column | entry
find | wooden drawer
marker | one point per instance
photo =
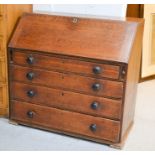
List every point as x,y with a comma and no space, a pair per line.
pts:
96,106
97,70
87,85
61,120
2,70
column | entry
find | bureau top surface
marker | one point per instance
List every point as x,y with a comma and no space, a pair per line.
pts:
104,39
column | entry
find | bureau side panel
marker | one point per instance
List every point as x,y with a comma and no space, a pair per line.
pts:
131,82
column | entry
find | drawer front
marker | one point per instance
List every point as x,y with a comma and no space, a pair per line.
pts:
97,106
66,121
87,85
63,64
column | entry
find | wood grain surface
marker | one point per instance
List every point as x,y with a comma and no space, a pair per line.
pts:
91,38
67,100
84,67
68,81
63,120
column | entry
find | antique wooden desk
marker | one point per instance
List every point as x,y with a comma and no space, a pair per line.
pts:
76,76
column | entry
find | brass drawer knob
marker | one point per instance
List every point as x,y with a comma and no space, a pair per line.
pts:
30,60
97,70
30,75
30,114
30,93
96,86
95,105
93,127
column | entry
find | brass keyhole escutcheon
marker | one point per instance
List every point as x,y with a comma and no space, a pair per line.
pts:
75,20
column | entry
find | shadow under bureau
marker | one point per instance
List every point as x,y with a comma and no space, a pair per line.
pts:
75,75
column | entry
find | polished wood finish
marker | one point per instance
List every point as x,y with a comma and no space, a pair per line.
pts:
76,39
112,89
67,100
9,15
65,64
63,120
77,78
132,78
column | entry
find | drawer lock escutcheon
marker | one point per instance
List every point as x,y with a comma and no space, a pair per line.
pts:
75,20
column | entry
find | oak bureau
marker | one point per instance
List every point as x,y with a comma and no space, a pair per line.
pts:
75,75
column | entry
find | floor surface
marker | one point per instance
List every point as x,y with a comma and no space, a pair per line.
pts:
141,137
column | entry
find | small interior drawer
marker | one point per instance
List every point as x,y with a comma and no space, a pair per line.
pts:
62,120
